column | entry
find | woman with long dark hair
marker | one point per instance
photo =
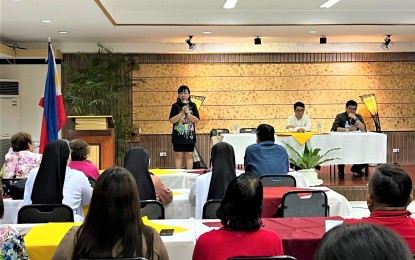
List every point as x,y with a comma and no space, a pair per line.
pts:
184,116
241,234
113,226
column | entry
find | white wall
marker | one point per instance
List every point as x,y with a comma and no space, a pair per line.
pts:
31,84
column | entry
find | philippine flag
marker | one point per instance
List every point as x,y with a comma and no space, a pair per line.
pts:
54,116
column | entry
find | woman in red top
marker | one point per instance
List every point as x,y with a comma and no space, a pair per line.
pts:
241,234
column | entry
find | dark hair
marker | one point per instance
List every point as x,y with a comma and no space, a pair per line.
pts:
181,89
351,103
299,104
20,141
363,242
265,132
79,150
241,207
113,216
390,185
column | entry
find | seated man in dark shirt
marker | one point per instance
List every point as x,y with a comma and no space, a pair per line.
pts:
390,192
356,123
266,157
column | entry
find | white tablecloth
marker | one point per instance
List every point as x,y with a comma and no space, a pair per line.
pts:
355,147
180,245
180,207
184,180
177,178
11,208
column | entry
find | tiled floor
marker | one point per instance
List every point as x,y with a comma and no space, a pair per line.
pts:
359,209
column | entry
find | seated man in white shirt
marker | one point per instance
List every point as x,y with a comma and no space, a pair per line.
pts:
299,122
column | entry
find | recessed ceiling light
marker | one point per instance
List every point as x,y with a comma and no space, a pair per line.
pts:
229,4
206,32
329,3
15,0
62,32
312,31
46,21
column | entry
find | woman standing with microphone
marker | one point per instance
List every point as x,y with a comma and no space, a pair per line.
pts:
184,116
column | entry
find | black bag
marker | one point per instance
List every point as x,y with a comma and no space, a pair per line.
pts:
16,189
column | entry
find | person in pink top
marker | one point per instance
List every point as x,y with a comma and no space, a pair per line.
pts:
79,161
20,159
389,194
241,234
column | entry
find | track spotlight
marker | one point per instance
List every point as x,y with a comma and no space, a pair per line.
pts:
323,40
257,40
192,46
385,44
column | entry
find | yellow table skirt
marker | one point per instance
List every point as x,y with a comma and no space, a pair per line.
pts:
41,241
301,138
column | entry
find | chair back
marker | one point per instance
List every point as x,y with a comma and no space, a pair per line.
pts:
278,180
248,130
44,213
210,208
281,257
153,209
218,131
301,204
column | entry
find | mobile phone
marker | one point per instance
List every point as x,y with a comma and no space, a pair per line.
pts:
167,232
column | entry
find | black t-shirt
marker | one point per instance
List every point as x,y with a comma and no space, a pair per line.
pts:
184,130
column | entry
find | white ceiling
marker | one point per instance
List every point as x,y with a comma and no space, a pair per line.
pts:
171,21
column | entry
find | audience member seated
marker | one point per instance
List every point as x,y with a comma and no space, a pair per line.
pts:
12,245
136,161
113,227
55,183
163,194
241,234
266,157
390,189
212,185
79,159
20,159
299,122
363,242
356,123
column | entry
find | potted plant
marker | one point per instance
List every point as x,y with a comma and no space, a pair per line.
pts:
309,160
100,84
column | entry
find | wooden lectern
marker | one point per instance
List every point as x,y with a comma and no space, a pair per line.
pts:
100,138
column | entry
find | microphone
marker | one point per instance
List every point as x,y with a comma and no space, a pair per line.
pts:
185,103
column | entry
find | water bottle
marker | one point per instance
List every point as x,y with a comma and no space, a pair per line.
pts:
346,126
318,128
235,128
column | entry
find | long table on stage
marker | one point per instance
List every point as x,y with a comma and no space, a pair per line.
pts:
355,147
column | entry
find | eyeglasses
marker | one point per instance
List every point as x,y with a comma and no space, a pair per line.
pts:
352,108
300,110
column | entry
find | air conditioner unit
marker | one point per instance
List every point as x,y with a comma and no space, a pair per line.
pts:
9,88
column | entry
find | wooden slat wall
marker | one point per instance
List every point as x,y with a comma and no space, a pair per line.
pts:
155,144
250,89
405,142
162,143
